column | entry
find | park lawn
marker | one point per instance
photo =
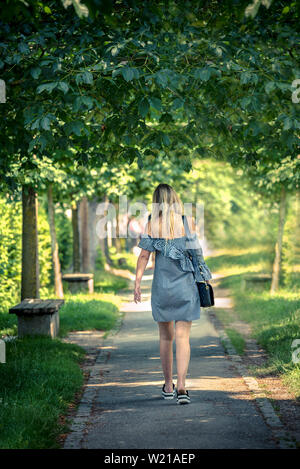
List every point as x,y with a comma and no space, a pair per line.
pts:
37,383
87,312
274,319
41,376
130,259
107,282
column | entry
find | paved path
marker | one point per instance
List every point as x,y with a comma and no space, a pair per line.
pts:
127,409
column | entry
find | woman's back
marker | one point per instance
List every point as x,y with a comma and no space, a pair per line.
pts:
164,228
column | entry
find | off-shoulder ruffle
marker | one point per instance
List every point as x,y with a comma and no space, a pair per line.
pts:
146,242
170,249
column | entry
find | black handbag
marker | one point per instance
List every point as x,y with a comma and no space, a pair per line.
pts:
206,294
205,290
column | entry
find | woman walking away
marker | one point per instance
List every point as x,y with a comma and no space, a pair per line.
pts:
174,294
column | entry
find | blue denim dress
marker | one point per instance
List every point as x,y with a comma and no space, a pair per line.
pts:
174,293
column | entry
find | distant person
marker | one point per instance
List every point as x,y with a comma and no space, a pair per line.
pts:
174,294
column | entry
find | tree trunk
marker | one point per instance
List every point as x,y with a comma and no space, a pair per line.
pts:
84,238
30,259
278,248
76,246
58,286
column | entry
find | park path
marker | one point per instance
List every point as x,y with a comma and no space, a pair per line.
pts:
122,405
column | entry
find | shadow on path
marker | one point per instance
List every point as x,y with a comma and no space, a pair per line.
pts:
128,411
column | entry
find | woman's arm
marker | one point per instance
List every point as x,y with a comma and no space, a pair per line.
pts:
140,269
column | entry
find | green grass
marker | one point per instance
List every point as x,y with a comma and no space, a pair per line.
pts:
37,382
237,340
106,282
274,319
87,312
130,259
8,323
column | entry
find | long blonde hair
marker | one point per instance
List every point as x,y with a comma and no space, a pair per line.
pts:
166,206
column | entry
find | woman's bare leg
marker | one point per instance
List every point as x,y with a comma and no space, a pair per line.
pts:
183,351
166,337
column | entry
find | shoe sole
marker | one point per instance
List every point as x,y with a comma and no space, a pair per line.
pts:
168,396
183,400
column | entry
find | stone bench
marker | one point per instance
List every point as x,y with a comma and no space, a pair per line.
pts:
80,282
37,317
255,278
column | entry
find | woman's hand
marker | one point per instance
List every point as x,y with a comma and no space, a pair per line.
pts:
137,293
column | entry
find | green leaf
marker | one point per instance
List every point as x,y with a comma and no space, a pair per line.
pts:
270,86
203,73
177,103
140,161
62,85
87,101
45,123
35,124
35,72
143,107
116,72
73,128
46,87
166,140
87,78
245,78
156,103
245,102
128,73
84,77
288,123
23,48
161,79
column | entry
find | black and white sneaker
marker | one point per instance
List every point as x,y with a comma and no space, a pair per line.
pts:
183,398
168,395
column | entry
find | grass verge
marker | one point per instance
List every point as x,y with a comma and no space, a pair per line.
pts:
41,376
37,382
87,312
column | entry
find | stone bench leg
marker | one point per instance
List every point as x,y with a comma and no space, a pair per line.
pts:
91,285
46,324
86,286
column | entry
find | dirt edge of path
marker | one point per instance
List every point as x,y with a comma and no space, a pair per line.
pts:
284,402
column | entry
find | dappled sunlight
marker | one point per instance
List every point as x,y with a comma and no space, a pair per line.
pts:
232,386
147,277
223,302
125,384
132,306
109,347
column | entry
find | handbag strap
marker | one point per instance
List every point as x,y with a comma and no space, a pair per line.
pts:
193,254
186,226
